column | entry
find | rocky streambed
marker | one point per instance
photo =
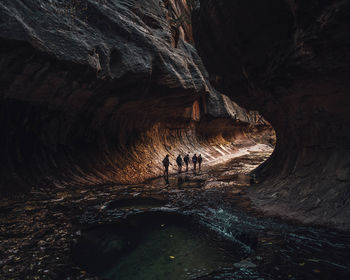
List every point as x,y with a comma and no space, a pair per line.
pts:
199,226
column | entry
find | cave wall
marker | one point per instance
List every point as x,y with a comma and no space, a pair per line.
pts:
290,61
95,92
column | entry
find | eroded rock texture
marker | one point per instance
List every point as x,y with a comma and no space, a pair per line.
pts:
290,60
97,91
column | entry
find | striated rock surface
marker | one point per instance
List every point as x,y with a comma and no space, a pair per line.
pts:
97,91
289,60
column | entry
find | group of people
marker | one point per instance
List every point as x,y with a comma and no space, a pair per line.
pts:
179,161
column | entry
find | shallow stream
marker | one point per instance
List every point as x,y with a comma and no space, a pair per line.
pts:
200,226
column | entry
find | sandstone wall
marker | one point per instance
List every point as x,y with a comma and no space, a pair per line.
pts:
98,91
290,61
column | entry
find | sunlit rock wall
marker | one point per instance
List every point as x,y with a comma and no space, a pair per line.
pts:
98,91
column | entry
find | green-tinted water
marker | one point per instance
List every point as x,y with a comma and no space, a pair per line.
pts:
156,246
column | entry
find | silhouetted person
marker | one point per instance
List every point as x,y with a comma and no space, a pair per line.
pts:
166,163
194,160
187,160
199,159
179,163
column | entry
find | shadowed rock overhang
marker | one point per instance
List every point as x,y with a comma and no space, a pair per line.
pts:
289,60
96,92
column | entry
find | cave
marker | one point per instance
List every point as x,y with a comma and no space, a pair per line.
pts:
96,93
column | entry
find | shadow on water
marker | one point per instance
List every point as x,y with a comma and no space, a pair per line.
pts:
154,245
184,181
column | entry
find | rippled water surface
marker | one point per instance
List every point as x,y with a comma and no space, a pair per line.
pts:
200,226
156,245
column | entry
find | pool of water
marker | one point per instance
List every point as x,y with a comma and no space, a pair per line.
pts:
207,237
154,245
205,229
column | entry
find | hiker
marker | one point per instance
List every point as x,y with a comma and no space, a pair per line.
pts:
199,159
194,160
179,163
166,163
187,160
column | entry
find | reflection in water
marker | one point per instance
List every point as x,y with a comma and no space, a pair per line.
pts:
212,234
168,245
155,246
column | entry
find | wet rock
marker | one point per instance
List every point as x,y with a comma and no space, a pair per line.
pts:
289,60
245,264
280,249
39,243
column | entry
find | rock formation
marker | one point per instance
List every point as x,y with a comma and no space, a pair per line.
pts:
290,61
97,91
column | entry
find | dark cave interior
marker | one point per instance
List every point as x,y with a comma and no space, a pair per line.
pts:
95,93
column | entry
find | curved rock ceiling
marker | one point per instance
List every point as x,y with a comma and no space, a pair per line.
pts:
96,92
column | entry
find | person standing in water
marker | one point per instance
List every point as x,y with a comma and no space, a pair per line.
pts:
179,163
166,164
187,160
199,159
194,161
